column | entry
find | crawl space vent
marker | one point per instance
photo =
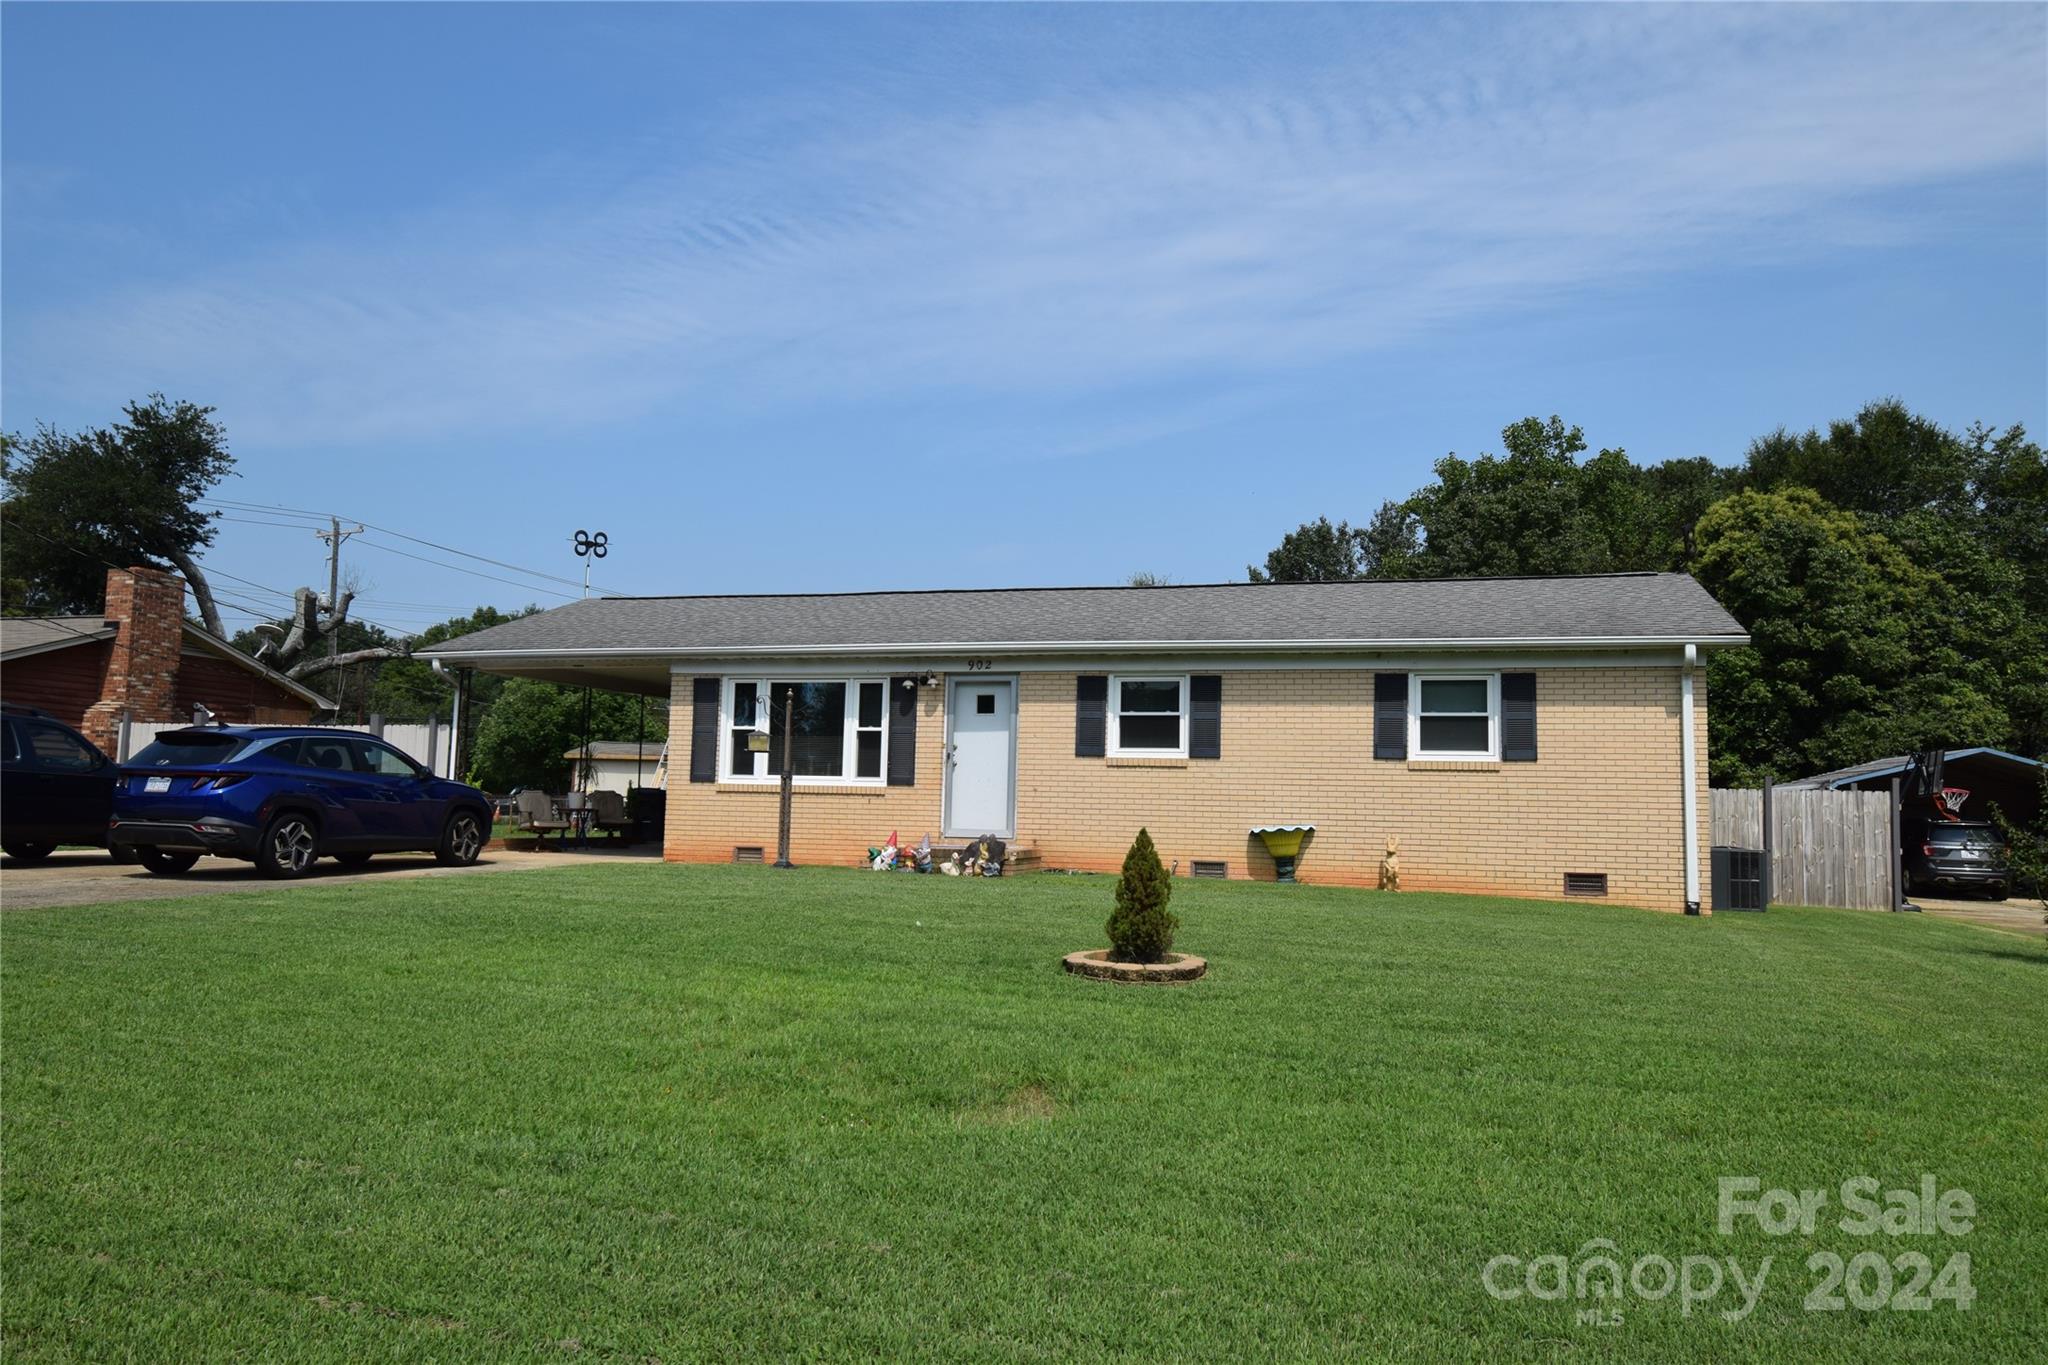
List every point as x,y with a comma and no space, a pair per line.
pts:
1217,870
1585,883
748,855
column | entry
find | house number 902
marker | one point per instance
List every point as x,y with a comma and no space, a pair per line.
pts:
980,665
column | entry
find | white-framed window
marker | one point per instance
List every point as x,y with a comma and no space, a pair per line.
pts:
841,729
1454,715
1148,717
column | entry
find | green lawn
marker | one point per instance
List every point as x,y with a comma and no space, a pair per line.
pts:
638,1112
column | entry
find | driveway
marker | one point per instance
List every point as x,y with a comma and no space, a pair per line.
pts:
89,878
2018,915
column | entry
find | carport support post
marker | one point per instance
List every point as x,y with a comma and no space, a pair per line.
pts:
788,777
458,757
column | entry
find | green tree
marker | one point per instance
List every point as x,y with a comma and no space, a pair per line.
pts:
2010,481
409,689
1390,545
1314,552
1141,928
1852,653
1517,513
1885,462
521,736
2027,845
122,495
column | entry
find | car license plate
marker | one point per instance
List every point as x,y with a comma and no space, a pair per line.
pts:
156,784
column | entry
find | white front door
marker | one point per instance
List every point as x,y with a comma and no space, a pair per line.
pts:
979,774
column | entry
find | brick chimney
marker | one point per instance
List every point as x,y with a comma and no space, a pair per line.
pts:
147,607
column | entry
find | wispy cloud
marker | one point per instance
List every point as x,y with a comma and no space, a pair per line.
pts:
1086,237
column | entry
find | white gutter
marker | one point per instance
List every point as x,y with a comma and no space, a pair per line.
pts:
978,647
1687,770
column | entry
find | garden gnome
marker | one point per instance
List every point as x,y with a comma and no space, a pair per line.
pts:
1390,867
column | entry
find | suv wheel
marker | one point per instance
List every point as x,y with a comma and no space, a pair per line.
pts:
462,840
289,846
164,863
28,853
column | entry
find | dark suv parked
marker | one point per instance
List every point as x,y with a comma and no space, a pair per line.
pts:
283,797
55,787
1957,856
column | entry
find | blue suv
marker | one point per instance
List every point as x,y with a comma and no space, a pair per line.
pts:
281,797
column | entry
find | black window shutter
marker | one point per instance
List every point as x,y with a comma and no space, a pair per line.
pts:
903,732
1205,715
1518,717
703,729
1390,715
1091,705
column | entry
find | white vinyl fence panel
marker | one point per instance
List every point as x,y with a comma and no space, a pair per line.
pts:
1827,847
427,742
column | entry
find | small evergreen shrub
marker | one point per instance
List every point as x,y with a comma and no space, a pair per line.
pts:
1140,928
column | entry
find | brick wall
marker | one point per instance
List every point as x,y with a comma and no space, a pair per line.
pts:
235,695
142,667
829,826
63,682
1604,795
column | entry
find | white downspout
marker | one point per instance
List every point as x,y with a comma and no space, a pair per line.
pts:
1687,768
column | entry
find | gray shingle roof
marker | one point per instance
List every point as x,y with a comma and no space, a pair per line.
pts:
1610,608
24,635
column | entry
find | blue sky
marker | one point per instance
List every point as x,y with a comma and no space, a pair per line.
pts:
870,297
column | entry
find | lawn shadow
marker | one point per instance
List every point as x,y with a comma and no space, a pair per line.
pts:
2038,956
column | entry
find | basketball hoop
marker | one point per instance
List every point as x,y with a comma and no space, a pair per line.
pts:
1949,802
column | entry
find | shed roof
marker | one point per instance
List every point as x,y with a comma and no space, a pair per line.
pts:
21,636
24,636
1897,764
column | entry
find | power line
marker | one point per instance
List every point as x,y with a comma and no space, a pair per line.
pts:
254,521
218,596
416,540
523,587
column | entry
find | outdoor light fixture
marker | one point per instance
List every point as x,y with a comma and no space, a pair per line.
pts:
931,680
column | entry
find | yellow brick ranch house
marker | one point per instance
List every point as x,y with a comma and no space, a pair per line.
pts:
1531,736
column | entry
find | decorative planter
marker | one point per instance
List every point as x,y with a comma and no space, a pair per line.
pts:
1096,964
1284,843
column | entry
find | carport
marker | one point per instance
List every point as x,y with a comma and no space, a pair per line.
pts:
630,673
1992,777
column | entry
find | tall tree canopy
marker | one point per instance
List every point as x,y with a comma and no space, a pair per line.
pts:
1853,648
121,495
1893,575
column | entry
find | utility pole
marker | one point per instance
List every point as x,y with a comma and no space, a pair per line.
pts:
334,536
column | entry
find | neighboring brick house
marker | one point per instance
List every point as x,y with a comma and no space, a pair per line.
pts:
1510,733
141,657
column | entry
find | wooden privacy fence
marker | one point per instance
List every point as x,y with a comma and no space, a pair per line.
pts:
1827,847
